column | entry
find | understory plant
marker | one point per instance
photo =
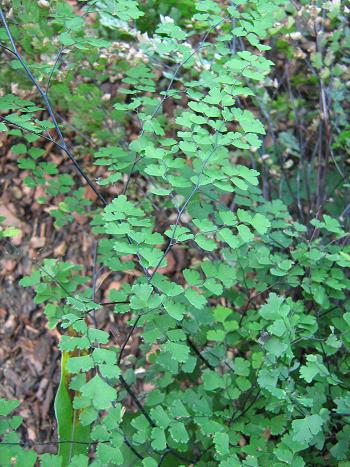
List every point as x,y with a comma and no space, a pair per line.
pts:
242,354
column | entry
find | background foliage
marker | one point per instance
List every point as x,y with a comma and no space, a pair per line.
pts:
221,129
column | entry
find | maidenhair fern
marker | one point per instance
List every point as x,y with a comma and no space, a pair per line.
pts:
234,349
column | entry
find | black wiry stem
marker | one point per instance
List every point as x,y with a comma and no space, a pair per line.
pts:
48,106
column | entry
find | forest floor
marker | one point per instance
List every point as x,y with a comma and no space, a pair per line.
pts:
29,355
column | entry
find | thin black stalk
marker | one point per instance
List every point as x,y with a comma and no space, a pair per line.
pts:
48,106
200,356
136,401
122,348
131,447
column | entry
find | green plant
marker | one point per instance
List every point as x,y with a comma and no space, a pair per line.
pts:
245,351
7,232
